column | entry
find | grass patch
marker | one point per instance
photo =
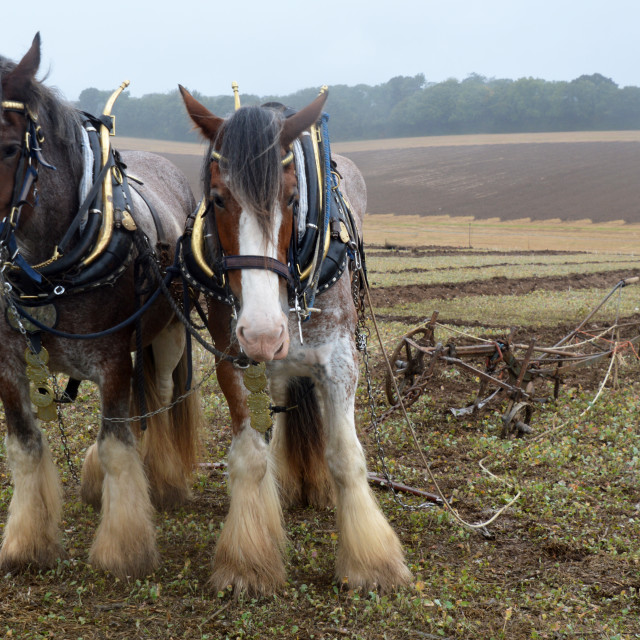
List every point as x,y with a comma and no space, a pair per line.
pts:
560,307
562,562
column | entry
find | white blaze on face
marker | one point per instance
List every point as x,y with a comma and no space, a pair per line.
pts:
262,328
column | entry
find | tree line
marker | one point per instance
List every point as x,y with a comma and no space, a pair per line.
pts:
409,106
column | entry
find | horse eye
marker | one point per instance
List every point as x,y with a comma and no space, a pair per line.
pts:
293,199
9,151
218,201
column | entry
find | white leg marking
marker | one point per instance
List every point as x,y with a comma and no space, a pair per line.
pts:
125,541
369,554
31,533
249,552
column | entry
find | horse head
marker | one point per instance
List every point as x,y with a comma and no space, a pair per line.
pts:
30,113
15,82
251,189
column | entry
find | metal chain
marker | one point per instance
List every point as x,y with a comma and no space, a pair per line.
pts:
63,436
168,407
54,382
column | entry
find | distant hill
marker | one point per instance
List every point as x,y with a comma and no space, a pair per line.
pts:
567,176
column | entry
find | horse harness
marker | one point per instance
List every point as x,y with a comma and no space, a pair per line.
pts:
97,259
324,241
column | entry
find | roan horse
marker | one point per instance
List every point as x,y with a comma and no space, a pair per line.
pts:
87,297
251,194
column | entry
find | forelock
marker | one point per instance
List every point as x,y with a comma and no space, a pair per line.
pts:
250,148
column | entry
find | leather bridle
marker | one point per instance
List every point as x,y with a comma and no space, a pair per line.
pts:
227,263
24,183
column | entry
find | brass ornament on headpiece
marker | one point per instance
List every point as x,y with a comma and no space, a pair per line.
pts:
236,95
220,159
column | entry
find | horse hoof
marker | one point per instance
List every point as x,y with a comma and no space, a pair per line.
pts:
386,577
14,561
136,564
250,583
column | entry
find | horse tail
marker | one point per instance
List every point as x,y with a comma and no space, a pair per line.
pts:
169,445
186,416
298,446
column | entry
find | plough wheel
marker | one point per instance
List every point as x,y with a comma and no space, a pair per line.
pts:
407,362
516,421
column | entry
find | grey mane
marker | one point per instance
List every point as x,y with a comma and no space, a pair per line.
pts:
60,122
250,146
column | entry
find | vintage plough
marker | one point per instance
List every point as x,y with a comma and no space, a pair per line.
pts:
508,370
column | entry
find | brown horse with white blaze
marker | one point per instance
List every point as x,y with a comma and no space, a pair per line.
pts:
251,192
36,124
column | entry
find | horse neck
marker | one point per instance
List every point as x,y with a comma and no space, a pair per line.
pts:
42,226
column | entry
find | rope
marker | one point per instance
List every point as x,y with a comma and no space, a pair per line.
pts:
414,437
617,348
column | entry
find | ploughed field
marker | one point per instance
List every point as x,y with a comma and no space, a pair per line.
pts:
563,561
567,176
581,189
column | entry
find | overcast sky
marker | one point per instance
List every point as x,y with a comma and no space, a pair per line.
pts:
280,47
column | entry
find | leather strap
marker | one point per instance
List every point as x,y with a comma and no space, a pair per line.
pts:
154,214
256,262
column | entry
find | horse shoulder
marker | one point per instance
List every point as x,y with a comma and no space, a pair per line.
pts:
353,186
164,186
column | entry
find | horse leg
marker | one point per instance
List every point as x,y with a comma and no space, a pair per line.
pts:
298,445
249,550
168,446
125,540
92,478
369,552
31,534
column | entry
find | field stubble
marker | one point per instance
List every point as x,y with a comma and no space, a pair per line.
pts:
562,562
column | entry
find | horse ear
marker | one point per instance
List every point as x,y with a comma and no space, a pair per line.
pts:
207,122
16,81
302,120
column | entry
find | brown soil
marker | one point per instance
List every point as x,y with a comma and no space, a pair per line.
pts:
569,180
390,296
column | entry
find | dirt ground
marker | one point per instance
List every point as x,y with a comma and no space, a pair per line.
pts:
594,180
570,181
391,296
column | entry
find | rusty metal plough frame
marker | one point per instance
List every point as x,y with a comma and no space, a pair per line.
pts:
511,369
